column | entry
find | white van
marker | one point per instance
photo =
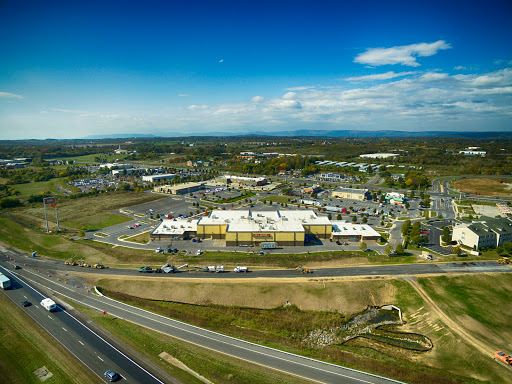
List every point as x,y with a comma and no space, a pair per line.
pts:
49,305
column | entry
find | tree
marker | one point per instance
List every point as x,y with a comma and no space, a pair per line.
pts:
365,220
406,227
329,216
363,246
457,250
407,205
399,249
447,238
354,219
388,250
338,217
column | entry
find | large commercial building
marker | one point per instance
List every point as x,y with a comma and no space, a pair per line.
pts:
179,189
158,177
350,193
242,180
245,227
485,232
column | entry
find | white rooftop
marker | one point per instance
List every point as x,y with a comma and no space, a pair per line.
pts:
277,221
344,228
175,227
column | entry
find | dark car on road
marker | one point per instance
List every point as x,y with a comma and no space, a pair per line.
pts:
111,376
26,303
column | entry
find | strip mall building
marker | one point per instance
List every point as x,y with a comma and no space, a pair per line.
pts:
245,227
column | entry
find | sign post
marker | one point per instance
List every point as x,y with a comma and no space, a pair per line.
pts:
50,202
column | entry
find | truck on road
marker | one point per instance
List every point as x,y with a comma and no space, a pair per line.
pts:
49,304
241,269
5,282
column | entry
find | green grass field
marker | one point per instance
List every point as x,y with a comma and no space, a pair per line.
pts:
96,221
90,158
278,199
28,189
25,347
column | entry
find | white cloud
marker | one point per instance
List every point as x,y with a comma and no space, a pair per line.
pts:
7,95
183,95
221,60
289,95
433,76
64,110
194,107
257,99
404,54
460,68
499,78
301,88
380,76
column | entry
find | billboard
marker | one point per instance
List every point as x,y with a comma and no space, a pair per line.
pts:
49,202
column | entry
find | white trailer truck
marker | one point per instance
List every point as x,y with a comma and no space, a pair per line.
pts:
49,304
5,282
241,269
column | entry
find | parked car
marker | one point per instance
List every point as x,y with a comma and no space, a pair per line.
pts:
338,242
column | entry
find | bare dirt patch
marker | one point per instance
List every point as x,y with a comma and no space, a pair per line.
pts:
485,187
342,296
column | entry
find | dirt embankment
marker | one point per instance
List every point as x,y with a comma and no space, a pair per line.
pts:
343,296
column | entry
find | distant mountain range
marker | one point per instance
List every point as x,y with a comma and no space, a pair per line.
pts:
319,133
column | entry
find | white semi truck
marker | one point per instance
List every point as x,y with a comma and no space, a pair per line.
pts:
5,282
241,269
49,304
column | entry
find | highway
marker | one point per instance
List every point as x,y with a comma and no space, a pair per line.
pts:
310,369
91,349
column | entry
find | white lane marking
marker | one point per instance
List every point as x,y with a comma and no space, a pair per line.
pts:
81,342
100,358
50,317
124,378
64,329
24,296
36,306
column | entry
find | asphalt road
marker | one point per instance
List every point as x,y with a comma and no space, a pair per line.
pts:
288,363
54,267
95,352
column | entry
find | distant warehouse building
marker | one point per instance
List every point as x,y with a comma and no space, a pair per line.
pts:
179,189
158,178
485,232
242,180
350,193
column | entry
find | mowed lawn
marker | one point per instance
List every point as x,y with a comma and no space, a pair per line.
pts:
96,221
28,189
485,187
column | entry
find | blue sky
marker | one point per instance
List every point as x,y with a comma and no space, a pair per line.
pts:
72,69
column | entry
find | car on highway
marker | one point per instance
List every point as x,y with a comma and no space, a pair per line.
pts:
111,375
15,266
26,303
159,250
